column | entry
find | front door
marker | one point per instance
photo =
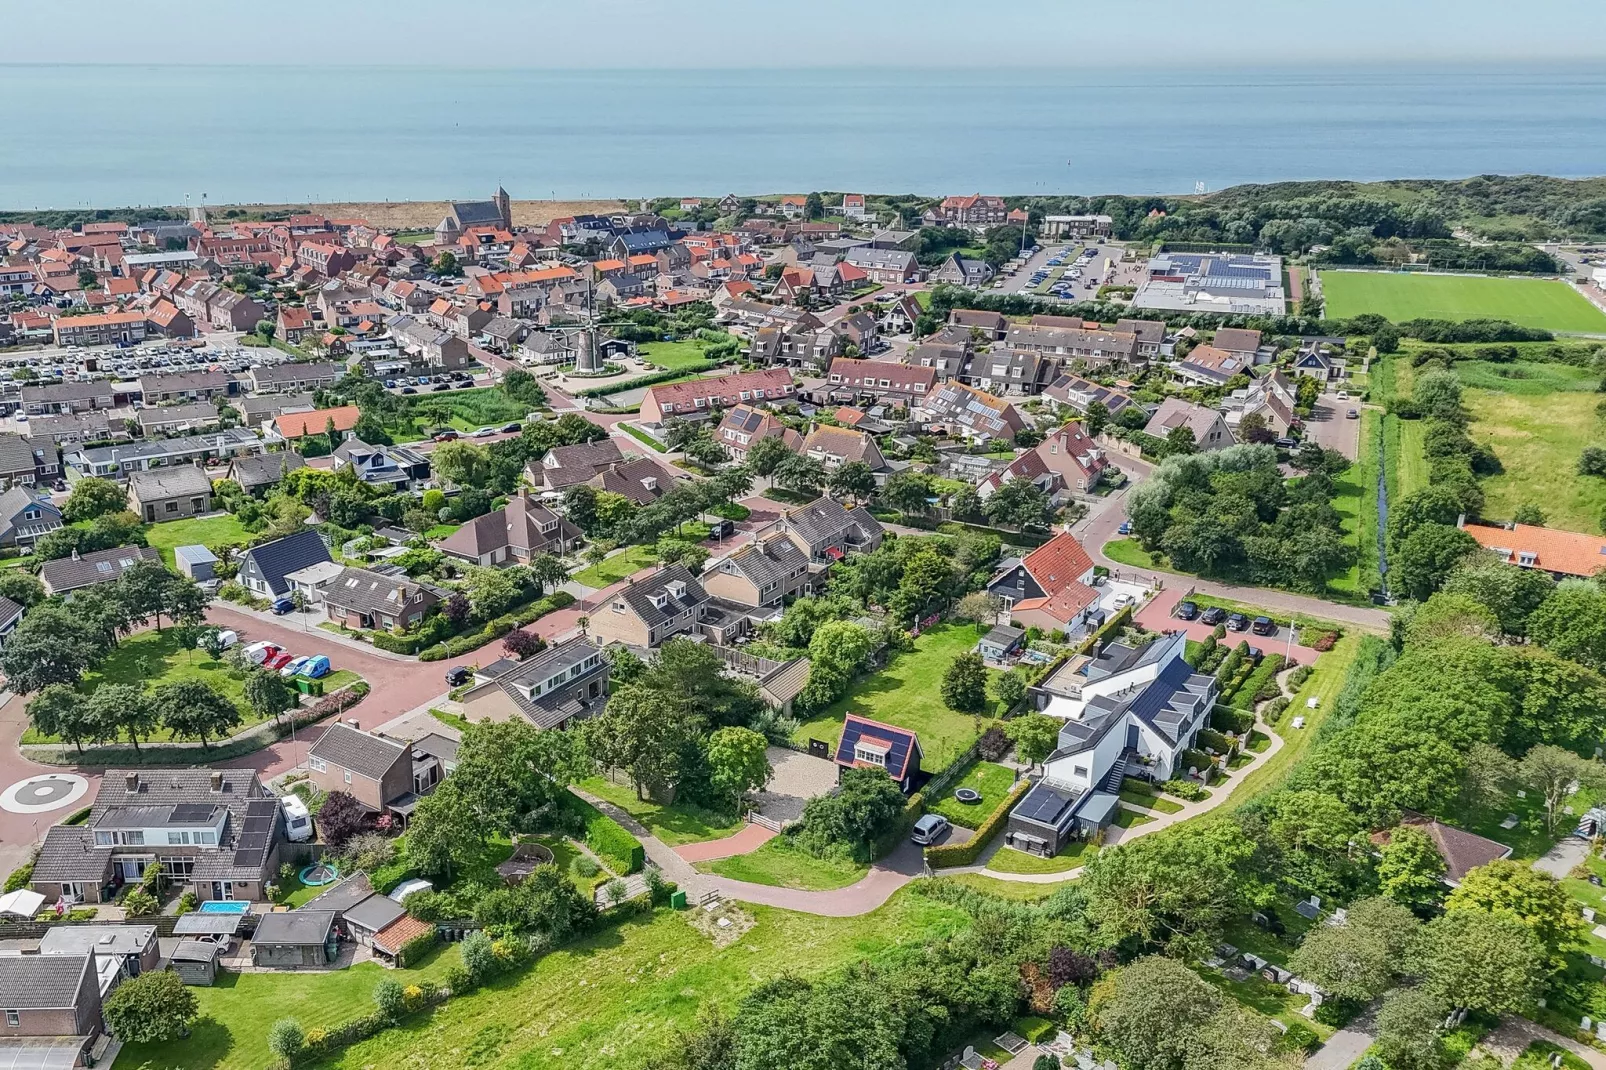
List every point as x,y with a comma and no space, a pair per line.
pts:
222,889
1131,737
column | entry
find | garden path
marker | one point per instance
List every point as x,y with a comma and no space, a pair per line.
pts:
1515,1034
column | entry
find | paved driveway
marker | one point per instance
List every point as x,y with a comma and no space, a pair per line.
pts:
1329,426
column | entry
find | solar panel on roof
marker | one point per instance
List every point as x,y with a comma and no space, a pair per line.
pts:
252,841
188,812
256,824
261,807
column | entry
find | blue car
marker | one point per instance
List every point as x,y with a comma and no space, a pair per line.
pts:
316,666
281,606
1125,528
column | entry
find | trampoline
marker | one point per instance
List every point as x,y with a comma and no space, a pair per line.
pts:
967,795
319,874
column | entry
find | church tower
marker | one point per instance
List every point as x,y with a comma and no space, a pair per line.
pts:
504,205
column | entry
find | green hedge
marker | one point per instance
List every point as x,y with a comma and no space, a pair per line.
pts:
1227,719
19,877
610,840
963,854
497,628
1243,696
417,947
643,380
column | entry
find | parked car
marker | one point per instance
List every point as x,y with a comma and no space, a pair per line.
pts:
929,829
1214,615
1124,600
228,638
281,606
721,529
257,653
1256,655
316,666
1264,626
277,660
483,432
1353,414
1237,622
1125,528
458,677
512,428
294,666
445,436
1187,611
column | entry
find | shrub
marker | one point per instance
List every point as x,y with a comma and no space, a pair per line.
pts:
1337,1012
1324,642
614,891
1184,789
413,997
1276,706
1299,1037
1196,759
658,889
370,851
478,957
1209,737
316,1039
188,901
993,744
1297,678
585,866
389,998
619,850
20,877
963,854
456,979
417,947
1227,719
140,904
286,1039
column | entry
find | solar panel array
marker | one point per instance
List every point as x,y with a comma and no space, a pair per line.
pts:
192,813
256,833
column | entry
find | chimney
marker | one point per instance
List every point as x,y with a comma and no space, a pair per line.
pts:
131,783
217,782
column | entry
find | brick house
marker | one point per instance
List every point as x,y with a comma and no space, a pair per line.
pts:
367,600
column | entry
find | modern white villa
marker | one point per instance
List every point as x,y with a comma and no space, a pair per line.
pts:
1128,711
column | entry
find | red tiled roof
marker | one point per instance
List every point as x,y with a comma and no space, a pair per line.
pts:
1058,563
1568,552
296,424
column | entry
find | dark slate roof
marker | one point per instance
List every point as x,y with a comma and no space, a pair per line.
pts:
42,982
374,913
369,592
824,520
86,570
263,469
68,854
576,463
900,743
15,455
641,480
282,556
1049,804
196,951
9,610
768,562
640,596
297,928
170,481
361,752
556,706
476,213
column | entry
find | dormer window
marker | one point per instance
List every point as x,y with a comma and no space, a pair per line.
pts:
660,600
870,753
1527,558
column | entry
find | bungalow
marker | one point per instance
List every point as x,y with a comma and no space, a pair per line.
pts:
65,575
53,1009
294,377
1563,554
567,681
992,326
361,599
1210,431
256,475
707,395
171,493
183,386
1127,711
265,566
178,419
1461,850
291,427
867,744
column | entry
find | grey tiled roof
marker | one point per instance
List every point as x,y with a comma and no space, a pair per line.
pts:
375,912
370,592
265,469
768,563
176,481
275,559
101,566
639,596
42,982
15,456
68,854
361,752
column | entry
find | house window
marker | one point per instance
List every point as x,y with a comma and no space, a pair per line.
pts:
318,764
1079,770
348,776
1527,558
170,507
13,1019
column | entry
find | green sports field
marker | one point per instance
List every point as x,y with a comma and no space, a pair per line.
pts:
1544,303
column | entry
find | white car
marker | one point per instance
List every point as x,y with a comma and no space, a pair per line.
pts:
1122,601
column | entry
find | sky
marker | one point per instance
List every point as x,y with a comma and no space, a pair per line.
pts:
796,33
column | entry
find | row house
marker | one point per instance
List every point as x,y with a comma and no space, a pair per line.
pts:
834,447
295,324
208,303
706,395
428,344
1094,347
984,325
948,359
294,377
796,349
183,386
99,329
69,397
1010,372
1150,335
883,381
887,266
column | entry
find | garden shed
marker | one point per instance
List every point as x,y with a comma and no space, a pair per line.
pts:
369,917
295,939
195,961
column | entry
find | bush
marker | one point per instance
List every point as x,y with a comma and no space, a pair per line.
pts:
993,744
20,877
417,947
478,958
140,904
585,866
1337,1012
963,854
1209,737
1227,719
1323,642
1297,678
1184,789
187,902
1299,1037
286,1039
1276,706
1194,758
456,979
389,998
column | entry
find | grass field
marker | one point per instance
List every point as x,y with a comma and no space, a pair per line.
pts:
154,659
1349,494
221,530
991,780
632,560
908,693
1365,474
780,865
1544,303
464,410
1537,433
675,356
674,824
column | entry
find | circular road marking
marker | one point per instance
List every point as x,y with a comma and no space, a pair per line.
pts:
40,794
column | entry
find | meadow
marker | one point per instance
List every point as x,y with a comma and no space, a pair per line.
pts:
1545,303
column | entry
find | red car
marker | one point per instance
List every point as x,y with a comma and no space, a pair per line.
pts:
278,660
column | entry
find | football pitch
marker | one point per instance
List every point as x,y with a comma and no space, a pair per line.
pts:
1545,303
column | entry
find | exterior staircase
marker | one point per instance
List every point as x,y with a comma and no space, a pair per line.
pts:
1112,780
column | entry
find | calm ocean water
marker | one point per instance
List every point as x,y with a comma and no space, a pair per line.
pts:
150,135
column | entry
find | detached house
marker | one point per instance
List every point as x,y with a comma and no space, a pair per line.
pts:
867,744
639,479
358,598
513,535
265,566
565,466
25,517
386,776
1210,431
1050,587
836,446
393,467
744,425
1064,462
1127,711
563,683
826,532
171,493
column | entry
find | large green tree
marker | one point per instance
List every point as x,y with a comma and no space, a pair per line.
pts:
52,645
1572,623
1410,869
1536,899
192,709
1485,962
1358,959
1421,564
155,1007
93,496
964,684
737,762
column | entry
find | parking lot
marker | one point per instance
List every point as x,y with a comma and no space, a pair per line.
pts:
1160,615
1068,273
218,352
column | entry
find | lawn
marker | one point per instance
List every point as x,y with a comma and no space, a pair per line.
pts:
464,410
338,679
1348,494
781,865
1019,891
1131,552
220,530
1413,459
908,694
642,437
620,566
235,1013
1138,793
675,824
1543,303
611,1000
1537,426
441,531
154,658
1364,474
991,780
684,356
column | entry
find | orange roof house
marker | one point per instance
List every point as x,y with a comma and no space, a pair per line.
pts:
290,426
1560,553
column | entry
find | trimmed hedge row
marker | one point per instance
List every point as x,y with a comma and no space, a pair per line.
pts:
639,381
963,854
497,628
611,841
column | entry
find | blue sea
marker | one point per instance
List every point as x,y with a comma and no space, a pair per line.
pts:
118,135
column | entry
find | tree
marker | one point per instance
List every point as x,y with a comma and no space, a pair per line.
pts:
444,830
523,388
737,763
522,644
1487,775
964,684
853,480
514,771
341,817
1019,503
1520,891
123,707
1408,1029
1096,418
192,708
266,329
1592,461
446,264
1009,688
1571,623
965,502
1411,869
268,694
1253,428
979,606
93,496
1553,771
549,570
1490,963
460,462
908,492
52,645
153,1008
1203,1030
21,587
1510,591
1426,558
1035,736
1179,441
1529,513
1448,615
800,472
766,455
59,710
814,206
287,1039
1358,959
865,805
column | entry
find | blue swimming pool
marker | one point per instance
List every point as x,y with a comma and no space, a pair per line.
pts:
225,906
